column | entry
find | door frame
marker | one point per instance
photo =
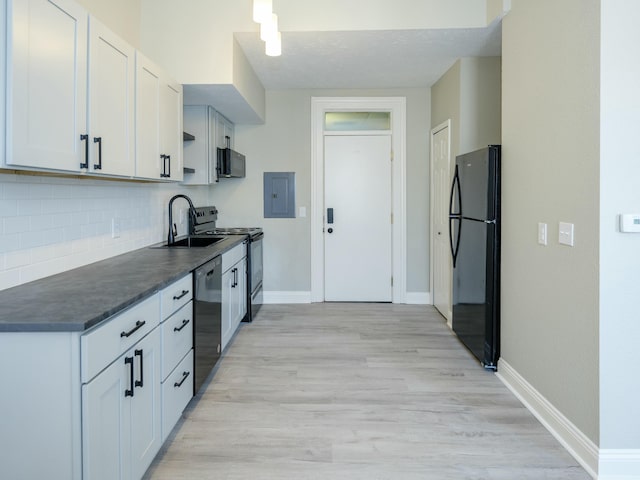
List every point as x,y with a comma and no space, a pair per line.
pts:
436,129
397,106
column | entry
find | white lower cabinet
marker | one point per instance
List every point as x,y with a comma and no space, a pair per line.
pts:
177,391
128,365
177,364
234,291
121,416
97,404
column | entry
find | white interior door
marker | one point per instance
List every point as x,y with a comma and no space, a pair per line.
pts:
440,187
357,240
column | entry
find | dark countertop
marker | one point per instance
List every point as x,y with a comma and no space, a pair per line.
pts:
81,298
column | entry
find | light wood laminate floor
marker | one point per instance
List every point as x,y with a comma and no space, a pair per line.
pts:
357,391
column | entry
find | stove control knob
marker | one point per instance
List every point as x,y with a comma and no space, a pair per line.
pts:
330,230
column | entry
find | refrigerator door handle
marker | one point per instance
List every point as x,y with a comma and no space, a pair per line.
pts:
454,249
455,187
453,216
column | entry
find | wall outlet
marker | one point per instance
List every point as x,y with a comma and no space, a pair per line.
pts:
542,233
115,228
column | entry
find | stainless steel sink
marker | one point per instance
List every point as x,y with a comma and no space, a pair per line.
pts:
193,242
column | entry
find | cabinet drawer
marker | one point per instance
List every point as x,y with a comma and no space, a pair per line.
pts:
177,338
177,390
115,336
233,256
176,295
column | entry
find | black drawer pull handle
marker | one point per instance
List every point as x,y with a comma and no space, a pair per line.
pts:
184,377
139,383
138,326
178,297
185,322
85,139
129,361
98,140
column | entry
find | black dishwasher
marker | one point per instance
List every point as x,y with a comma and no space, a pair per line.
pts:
207,332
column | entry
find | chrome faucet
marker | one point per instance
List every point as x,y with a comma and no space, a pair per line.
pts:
172,226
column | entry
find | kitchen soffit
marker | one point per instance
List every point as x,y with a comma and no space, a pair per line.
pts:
367,59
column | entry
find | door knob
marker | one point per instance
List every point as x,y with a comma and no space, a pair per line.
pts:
330,230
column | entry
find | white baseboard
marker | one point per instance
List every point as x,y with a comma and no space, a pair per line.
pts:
571,438
413,298
418,298
619,464
287,297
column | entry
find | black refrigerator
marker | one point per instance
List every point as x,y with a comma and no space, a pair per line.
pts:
474,235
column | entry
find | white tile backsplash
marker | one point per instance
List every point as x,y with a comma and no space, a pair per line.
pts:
49,225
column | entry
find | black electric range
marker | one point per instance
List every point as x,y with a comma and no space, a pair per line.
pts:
205,224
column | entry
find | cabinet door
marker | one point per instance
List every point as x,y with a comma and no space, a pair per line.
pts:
228,306
242,300
146,414
239,294
148,87
46,84
105,413
212,155
111,102
224,128
121,415
171,129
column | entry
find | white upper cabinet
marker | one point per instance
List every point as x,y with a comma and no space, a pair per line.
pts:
111,102
171,129
148,86
72,90
46,84
158,123
224,129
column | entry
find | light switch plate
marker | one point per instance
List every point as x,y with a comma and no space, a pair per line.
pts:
542,233
302,212
565,233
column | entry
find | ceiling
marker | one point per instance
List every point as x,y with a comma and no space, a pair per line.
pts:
367,59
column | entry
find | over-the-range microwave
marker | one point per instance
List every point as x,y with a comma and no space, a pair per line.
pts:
231,164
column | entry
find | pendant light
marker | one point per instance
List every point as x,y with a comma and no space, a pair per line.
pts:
262,10
273,46
269,29
269,34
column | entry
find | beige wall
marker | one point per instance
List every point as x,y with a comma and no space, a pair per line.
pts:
550,132
343,15
469,94
283,143
445,104
121,16
480,102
